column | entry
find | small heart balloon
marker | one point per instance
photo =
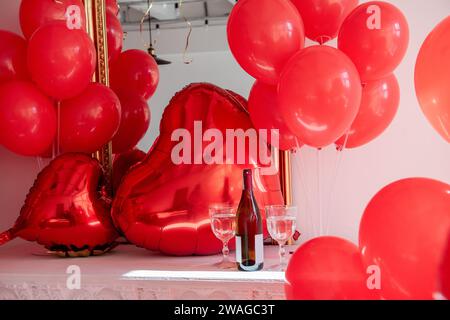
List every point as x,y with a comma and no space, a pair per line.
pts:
161,205
66,210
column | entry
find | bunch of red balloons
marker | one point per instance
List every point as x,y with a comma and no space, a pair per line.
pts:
403,249
318,95
46,92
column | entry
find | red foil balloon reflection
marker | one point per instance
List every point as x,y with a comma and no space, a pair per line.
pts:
163,206
65,209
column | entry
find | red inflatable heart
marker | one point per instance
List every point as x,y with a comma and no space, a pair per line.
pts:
163,206
66,210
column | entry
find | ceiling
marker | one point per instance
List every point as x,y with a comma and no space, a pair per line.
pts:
165,13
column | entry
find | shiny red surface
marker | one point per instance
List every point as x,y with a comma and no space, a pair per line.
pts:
319,95
112,6
263,35
432,77
323,18
123,162
375,52
404,230
61,61
265,114
379,104
65,206
27,118
13,57
89,120
115,36
135,72
327,268
163,206
134,122
36,13
444,272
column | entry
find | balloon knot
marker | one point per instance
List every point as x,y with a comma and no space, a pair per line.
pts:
6,236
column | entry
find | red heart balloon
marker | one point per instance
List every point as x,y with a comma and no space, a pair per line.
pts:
164,206
66,210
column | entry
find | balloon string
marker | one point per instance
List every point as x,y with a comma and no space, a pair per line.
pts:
39,162
319,189
186,60
340,152
302,176
141,25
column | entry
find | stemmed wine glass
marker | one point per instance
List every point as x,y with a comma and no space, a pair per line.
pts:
223,225
281,223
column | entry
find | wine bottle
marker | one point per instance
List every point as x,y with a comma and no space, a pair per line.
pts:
249,233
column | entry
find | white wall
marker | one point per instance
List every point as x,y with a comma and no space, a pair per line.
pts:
409,147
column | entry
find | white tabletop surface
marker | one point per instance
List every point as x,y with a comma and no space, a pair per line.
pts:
27,271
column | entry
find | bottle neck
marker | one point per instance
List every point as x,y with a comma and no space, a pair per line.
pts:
248,181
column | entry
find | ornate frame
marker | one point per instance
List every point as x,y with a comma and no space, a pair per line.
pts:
96,28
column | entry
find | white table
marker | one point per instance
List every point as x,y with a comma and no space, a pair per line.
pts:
28,272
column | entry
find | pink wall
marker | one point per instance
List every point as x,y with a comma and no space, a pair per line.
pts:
16,173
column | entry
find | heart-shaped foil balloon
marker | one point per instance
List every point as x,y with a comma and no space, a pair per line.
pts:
162,205
67,210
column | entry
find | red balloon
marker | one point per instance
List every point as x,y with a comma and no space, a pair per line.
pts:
263,35
264,113
13,53
379,104
163,206
134,123
404,230
90,120
375,36
135,72
319,95
444,274
328,268
112,6
64,210
432,78
27,119
323,18
123,162
239,99
37,13
61,61
115,36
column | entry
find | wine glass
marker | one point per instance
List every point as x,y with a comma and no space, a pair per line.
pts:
281,223
223,225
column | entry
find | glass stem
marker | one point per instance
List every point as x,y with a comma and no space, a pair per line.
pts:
282,253
225,252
